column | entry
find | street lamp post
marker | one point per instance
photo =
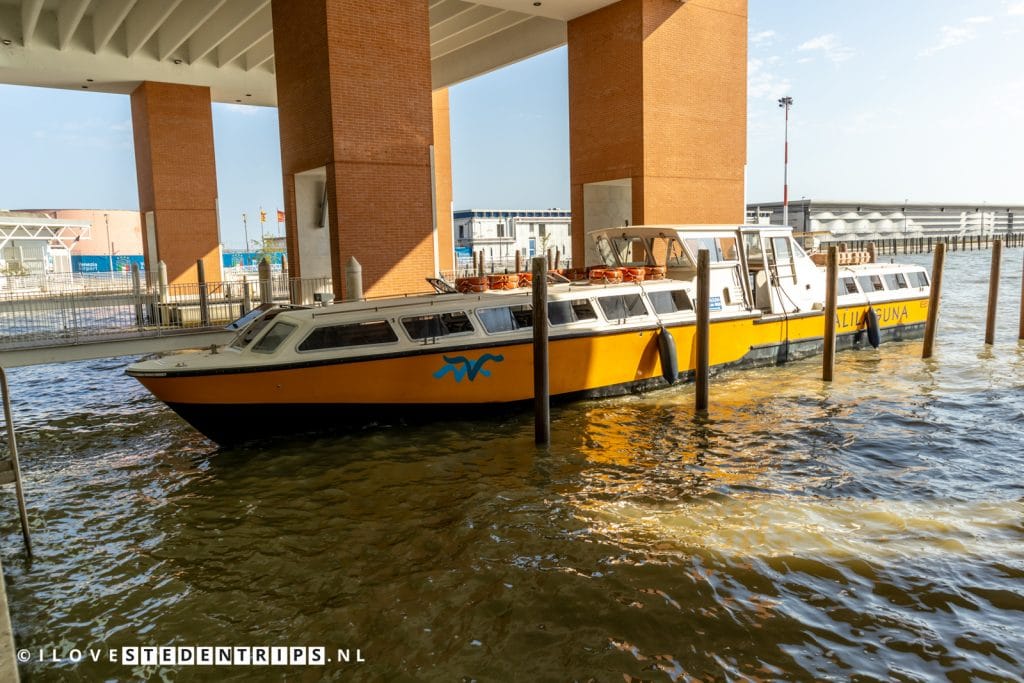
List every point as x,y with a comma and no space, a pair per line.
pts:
245,227
785,103
110,246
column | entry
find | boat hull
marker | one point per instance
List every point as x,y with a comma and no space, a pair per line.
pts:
239,404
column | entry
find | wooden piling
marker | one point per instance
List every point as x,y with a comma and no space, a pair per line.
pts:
541,385
246,296
1020,331
993,292
558,259
137,296
519,261
871,252
204,302
702,340
828,364
933,300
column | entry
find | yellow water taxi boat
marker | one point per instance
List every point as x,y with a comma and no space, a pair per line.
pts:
454,353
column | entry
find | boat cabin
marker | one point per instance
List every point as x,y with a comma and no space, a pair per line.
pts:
753,267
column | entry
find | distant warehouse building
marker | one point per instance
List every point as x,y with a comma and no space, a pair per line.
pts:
501,233
886,220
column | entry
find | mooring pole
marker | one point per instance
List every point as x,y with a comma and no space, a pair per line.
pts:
204,303
246,297
828,363
703,338
519,261
12,444
541,384
933,300
266,285
353,280
993,292
871,252
137,295
1020,332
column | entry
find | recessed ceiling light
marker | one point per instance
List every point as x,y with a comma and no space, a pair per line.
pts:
88,80
248,94
177,61
6,41
85,87
536,4
238,100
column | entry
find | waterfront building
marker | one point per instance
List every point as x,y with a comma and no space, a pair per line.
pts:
864,220
502,233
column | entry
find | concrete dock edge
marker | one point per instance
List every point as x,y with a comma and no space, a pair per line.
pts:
8,664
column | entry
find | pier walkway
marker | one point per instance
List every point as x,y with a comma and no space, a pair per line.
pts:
46,322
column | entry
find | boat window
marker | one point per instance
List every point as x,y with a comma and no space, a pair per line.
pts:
565,312
506,318
254,328
719,248
668,302
604,248
752,242
870,283
632,251
437,325
848,285
273,338
352,334
622,306
918,278
677,256
895,281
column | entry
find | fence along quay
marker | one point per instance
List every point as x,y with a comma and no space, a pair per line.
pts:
53,319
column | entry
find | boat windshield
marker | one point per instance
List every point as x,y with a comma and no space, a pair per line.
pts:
719,248
253,329
631,252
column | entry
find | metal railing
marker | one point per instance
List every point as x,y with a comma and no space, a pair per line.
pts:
123,307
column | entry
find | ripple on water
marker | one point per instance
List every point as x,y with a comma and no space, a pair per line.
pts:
871,529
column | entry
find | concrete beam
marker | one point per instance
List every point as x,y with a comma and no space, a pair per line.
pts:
260,53
517,43
106,19
258,27
220,25
185,21
481,31
145,19
30,11
69,16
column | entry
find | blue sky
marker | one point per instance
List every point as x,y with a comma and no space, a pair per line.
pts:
917,99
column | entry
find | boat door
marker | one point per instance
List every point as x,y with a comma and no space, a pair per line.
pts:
780,258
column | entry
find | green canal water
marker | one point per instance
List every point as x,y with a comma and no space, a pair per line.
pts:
872,529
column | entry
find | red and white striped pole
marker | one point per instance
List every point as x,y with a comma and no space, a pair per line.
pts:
785,103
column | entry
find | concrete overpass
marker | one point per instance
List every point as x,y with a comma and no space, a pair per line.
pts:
657,111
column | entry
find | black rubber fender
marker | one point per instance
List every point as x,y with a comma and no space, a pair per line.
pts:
871,322
669,359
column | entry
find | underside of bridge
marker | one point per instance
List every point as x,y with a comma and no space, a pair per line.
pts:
657,111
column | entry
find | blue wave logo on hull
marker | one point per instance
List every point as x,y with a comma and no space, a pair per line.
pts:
460,366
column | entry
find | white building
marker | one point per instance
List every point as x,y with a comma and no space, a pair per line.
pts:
884,220
501,233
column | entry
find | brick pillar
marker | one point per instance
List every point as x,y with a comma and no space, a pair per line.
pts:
443,180
657,114
174,161
354,99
